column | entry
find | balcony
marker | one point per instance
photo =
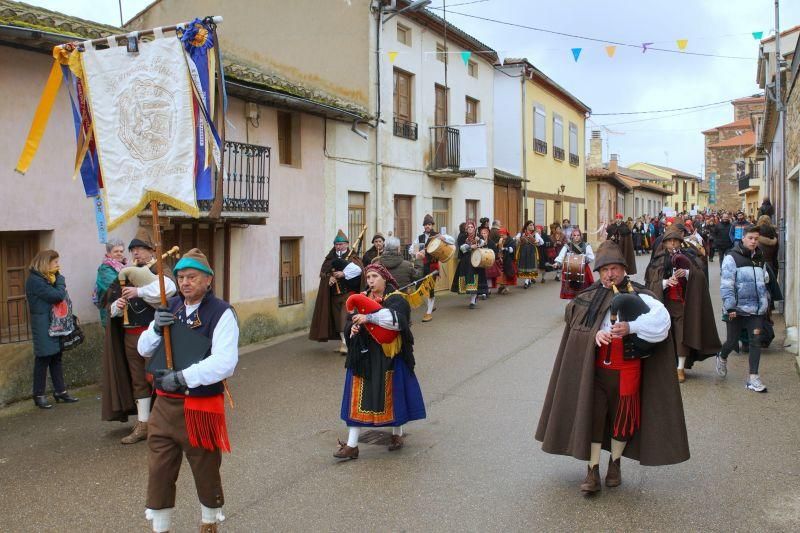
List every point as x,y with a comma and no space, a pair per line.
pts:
558,153
749,183
245,186
539,146
574,160
405,129
445,154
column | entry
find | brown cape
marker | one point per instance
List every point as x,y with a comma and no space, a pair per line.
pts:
117,393
565,425
322,326
699,324
625,241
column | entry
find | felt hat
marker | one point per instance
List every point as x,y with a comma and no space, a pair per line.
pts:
609,253
340,237
378,236
195,259
673,232
428,219
142,239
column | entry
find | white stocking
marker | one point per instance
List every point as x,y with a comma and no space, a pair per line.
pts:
594,457
211,516
352,436
617,447
341,336
398,431
473,299
162,518
431,302
143,409
681,363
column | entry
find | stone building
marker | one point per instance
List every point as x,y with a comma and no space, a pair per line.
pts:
725,145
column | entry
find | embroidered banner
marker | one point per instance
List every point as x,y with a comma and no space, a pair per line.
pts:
141,106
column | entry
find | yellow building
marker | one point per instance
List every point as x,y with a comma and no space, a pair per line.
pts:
554,128
685,187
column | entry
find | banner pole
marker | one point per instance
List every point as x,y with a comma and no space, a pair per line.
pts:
162,288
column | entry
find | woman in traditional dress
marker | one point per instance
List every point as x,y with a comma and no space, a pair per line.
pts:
557,241
528,242
380,388
571,287
468,278
638,237
507,247
483,273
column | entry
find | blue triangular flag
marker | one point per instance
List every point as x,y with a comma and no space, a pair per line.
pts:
465,56
576,53
757,35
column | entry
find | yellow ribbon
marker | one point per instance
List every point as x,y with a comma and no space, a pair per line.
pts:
40,118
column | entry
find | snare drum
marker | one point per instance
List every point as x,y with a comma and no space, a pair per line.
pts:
482,258
439,250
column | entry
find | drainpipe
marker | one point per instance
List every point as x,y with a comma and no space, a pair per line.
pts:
524,157
781,200
378,180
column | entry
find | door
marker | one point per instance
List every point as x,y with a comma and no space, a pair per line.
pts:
402,221
17,249
507,198
501,202
440,121
558,211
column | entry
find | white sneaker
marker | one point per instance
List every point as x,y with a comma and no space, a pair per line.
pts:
722,366
755,384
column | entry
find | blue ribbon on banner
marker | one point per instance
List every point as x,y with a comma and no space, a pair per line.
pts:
90,164
100,219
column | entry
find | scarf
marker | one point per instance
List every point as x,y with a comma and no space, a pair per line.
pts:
113,263
51,276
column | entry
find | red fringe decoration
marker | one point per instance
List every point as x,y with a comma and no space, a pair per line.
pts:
627,418
205,422
675,293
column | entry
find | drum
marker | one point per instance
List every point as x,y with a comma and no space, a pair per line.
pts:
440,250
482,258
573,271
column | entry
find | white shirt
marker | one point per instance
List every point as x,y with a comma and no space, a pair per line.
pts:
150,293
565,249
652,326
219,365
538,237
385,318
351,271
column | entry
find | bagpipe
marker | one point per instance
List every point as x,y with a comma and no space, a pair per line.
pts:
141,276
679,261
627,307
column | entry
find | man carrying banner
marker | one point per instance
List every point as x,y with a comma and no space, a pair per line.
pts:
123,382
189,413
340,276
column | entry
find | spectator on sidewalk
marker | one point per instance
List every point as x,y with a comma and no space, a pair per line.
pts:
44,289
736,231
722,236
768,242
766,209
107,273
745,299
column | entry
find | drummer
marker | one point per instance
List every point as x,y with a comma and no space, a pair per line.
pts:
467,278
576,246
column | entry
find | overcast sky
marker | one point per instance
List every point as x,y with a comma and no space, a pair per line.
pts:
631,80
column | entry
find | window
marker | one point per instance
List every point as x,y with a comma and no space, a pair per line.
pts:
636,207
290,291
17,249
472,69
539,212
403,228
441,213
472,210
289,138
693,188
472,111
404,35
356,213
402,94
574,158
441,53
650,207
558,137
573,215
539,121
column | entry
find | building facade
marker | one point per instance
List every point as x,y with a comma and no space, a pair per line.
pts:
684,187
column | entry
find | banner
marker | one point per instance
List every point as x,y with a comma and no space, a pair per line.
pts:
141,106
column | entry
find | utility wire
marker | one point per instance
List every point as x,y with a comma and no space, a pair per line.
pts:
661,110
594,39
663,117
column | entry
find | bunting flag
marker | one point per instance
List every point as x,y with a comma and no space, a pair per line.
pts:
644,46
576,53
465,55
757,35
611,50
682,44
392,56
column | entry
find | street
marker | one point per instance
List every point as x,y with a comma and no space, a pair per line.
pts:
472,465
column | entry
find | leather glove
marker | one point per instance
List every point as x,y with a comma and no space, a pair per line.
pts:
169,380
162,319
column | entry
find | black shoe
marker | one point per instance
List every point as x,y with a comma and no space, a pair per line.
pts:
472,306
64,397
42,403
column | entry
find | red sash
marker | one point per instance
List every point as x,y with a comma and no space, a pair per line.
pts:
628,415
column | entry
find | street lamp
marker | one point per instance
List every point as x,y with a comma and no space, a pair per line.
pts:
413,6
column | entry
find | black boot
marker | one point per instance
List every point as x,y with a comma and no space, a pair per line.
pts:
64,397
42,403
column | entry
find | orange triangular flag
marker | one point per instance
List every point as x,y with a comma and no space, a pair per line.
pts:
682,44
611,50
392,56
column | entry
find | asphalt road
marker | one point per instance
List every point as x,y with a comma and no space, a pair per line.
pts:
472,465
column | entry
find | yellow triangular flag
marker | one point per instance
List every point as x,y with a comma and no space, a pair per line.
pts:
392,56
682,44
611,50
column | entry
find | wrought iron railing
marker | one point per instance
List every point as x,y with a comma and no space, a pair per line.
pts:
539,146
744,182
291,290
15,322
558,153
574,159
445,149
405,129
245,186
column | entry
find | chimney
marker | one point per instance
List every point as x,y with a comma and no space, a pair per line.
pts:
596,150
613,164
